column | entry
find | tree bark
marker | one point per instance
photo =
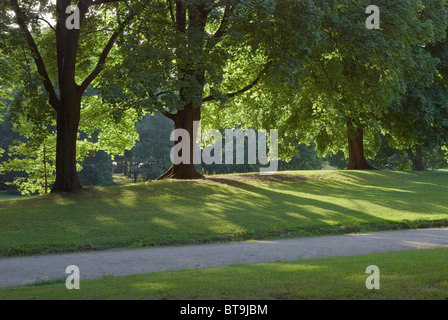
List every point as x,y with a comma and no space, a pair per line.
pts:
125,167
184,119
68,117
416,158
45,168
357,160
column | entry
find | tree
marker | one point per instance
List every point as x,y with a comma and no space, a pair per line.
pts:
67,80
420,119
185,56
350,78
36,158
365,70
34,152
7,77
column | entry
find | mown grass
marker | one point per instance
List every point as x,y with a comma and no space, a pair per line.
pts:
5,195
223,208
416,274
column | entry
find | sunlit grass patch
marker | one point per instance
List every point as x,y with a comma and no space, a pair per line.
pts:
223,208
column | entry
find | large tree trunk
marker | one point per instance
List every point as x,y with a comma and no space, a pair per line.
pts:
69,107
416,158
184,119
68,117
192,78
357,160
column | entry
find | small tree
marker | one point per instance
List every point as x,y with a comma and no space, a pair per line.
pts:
36,158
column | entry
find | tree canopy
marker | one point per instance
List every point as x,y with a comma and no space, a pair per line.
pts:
77,75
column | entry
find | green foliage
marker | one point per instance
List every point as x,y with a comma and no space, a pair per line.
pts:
37,161
152,152
445,149
7,138
306,68
96,169
346,72
35,156
307,158
420,118
115,128
358,73
337,160
434,158
31,113
388,157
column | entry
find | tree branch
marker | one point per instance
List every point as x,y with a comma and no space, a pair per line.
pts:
162,92
170,7
42,70
49,24
181,17
98,2
243,90
328,77
102,59
170,116
217,36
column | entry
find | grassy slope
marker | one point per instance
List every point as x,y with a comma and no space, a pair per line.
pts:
223,208
9,196
416,274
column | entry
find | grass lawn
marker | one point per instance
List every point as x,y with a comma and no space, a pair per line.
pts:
222,208
416,274
6,195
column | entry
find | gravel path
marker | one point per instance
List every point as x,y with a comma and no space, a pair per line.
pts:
23,270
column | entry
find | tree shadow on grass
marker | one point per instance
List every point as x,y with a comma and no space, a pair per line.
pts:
218,209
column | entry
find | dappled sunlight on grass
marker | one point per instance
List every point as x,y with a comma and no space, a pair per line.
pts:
225,207
296,215
75,229
107,220
151,286
165,222
302,266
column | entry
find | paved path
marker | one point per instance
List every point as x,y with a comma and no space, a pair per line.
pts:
23,270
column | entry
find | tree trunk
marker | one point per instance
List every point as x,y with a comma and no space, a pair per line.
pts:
125,167
192,81
45,168
68,117
184,119
416,158
356,160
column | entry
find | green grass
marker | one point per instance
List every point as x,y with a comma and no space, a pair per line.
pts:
224,208
416,274
10,196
